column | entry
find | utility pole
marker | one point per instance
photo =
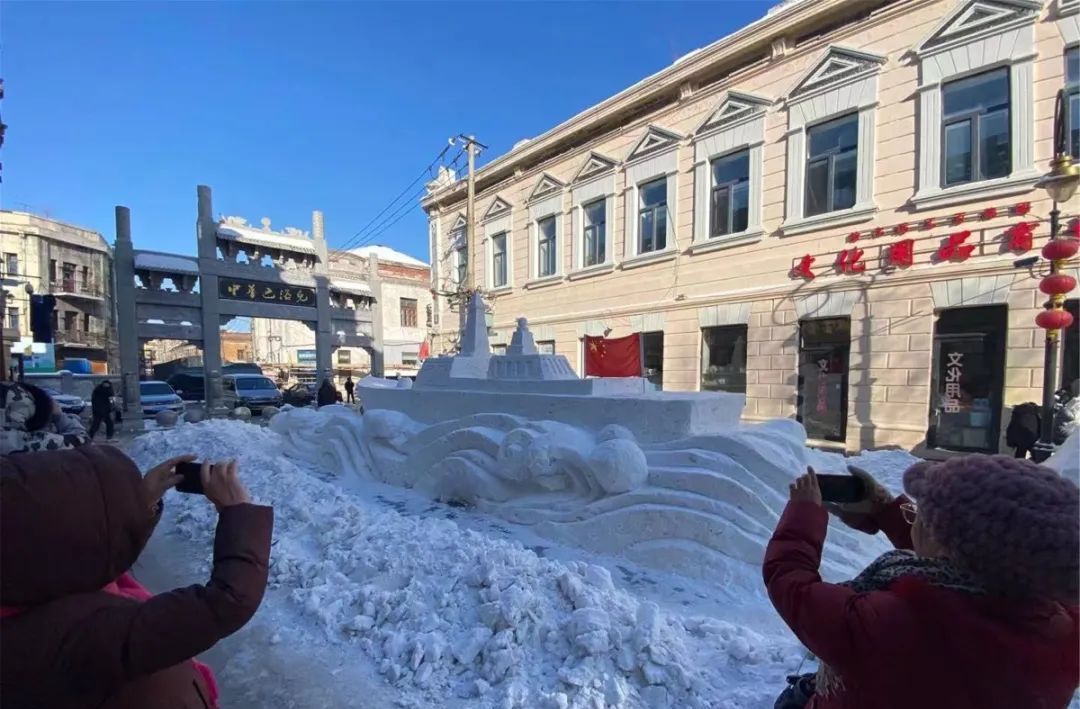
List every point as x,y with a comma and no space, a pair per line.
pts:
470,211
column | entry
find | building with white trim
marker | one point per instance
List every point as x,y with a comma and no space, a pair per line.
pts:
821,210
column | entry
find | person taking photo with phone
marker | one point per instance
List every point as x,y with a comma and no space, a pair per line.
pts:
76,630
975,609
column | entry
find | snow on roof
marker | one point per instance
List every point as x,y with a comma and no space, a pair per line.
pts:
270,239
150,261
358,287
385,253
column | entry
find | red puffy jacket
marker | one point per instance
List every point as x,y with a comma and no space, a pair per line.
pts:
914,645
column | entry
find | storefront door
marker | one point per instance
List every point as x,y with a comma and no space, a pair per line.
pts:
824,349
967,379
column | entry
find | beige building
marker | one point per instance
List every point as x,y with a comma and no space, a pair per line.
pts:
405,309
821,210
70,262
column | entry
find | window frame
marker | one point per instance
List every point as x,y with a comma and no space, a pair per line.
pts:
404,312
730,186
547,264
460,249
9,258
642,210
974,119
495,238
13,316
598,234
742,329
830,157
1072,92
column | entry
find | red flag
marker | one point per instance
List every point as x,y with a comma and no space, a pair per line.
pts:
425,350
618,357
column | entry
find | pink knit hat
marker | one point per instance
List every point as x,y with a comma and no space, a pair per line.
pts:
1013,524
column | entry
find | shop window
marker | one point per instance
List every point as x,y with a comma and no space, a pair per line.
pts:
1070,345
546,347
824,350
967,379
652,346
723,359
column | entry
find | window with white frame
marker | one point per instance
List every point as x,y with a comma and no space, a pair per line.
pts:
652,216
729,204
594,215
546,247
460,255
975,128
498,260
831,165
832,118
1072,100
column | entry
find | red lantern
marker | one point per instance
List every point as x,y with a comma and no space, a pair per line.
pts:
1058,249
1054,319
1057,284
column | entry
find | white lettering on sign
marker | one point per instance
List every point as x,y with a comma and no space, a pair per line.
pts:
954,368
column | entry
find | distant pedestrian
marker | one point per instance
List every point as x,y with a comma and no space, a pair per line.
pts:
328,394
349,387
101,409
1022,433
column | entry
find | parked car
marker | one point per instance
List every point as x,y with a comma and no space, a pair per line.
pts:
251,390
69,403
156,397
189,387
300,394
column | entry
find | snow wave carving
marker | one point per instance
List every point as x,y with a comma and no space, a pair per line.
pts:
693,505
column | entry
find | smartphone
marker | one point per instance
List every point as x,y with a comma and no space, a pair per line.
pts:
841,488
192,482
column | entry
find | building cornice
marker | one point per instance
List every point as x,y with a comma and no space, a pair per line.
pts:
755,38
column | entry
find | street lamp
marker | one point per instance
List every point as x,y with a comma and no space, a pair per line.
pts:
1060,184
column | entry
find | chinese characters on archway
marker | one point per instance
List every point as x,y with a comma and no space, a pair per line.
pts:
233,289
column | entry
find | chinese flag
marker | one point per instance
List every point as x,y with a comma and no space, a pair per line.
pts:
425,350
618,357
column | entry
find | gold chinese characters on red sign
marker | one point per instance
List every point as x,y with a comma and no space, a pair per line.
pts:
253,291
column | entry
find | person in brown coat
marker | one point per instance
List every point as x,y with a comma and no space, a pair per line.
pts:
72,523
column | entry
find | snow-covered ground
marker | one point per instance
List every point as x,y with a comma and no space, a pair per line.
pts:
381,598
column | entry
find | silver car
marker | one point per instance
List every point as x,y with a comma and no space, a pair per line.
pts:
254,391
156,397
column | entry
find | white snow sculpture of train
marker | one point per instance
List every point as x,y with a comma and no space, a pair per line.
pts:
670,480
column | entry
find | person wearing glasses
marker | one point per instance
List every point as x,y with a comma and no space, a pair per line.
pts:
975,608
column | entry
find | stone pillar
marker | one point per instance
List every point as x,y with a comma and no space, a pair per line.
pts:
324,336
377,363
206,234
126,323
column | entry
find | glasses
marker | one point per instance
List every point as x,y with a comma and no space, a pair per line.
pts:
909,510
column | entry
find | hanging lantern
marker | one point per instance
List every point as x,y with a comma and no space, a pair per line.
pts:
1060,249
1054,319
1057,284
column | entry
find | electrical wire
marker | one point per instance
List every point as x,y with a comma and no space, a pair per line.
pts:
351,241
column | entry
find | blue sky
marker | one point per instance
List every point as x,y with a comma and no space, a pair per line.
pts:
283,108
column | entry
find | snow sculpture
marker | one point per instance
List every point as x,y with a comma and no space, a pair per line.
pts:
667,479
165,419
270,412
241,413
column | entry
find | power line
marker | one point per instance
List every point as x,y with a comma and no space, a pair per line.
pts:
398,214
423,173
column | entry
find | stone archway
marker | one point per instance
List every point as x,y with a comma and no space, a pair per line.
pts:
283,275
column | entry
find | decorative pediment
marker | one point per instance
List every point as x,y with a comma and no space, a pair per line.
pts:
498,208
974,18
595,164
457,231
838,65
655,140
734,107
459,223
545,187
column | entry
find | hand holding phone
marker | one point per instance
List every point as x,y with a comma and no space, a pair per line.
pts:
191,478
843,489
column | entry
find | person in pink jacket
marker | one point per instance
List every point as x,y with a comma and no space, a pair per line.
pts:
975,609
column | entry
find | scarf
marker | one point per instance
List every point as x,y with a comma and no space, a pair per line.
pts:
127,586
880,574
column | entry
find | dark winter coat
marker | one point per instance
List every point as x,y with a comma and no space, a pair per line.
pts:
70,523
349,386
914,645
327,394
101,400
1023,429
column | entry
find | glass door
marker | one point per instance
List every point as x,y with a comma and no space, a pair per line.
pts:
824,351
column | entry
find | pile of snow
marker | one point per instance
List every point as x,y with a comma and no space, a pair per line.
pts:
444,611
385,253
